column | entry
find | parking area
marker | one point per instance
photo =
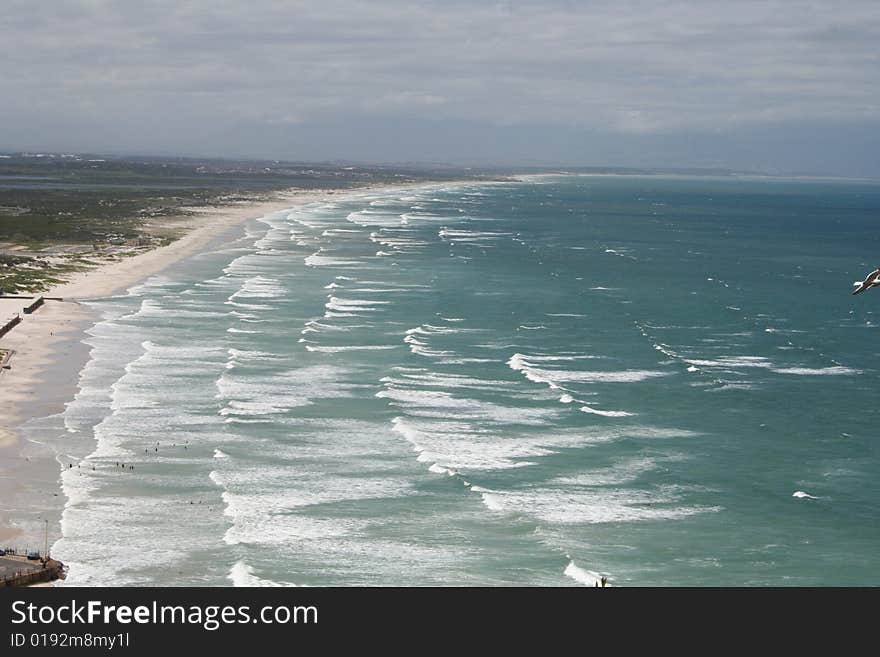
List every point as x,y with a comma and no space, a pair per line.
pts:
10,566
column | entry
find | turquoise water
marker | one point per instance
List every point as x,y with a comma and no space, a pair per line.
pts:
526,383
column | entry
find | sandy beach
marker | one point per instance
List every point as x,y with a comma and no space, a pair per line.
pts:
48,352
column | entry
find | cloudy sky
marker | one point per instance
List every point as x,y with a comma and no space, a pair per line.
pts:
786,85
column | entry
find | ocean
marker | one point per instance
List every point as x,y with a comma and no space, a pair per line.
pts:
662,380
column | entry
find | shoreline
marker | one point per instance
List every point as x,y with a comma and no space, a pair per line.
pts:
49,352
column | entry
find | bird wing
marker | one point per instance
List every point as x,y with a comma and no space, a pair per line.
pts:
871,280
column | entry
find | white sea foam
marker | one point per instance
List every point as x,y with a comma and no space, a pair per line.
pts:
665,350
374,218
732,362
242,574
427,329
317,260
621,252
154,308
594,505
802,495
396,285
439,469
540,358
353,305
250,408
732,386
260,287
556,378
398,239
460,447
150,286
246,355
248,306
425,378
622,471
407,217
484,238
837,370
261,501
585,577
491,499
337,349
442,404
421,348
596,411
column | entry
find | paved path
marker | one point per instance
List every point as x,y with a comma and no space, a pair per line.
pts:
9,566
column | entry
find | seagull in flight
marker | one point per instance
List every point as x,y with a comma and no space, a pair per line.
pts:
870,281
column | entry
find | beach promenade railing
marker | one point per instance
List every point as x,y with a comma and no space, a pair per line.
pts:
13,552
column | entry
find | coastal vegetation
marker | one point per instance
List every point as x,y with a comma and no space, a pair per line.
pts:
60,213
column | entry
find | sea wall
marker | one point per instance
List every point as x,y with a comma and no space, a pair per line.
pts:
39,301
8,326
